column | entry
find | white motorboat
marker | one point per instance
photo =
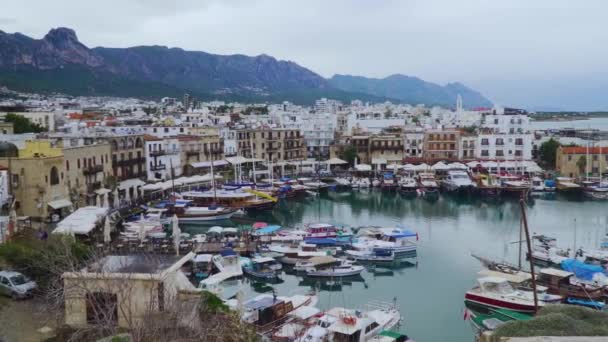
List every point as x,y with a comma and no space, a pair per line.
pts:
373,255
344,183
316,263
458,181
408,186
538,185
345,269
340,324
361,183
400,242
497,293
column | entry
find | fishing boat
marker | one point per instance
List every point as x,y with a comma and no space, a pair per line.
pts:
427,184
187,212
488,185
247,199
565,284
266,312
567,185
497,293
408,187
344,269
294,253
388,182
264,268
458,182
340,324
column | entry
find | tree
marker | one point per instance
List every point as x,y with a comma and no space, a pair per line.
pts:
349,154
22,124
547,152
581,163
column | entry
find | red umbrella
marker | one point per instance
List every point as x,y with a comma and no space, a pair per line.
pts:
259,225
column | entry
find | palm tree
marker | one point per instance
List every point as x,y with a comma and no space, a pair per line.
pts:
581,163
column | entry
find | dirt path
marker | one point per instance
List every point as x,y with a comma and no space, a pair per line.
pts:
20,320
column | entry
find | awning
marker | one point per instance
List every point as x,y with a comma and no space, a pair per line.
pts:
102,191
267,230
129,183
336,161
363,167
378,161
208,164
58,204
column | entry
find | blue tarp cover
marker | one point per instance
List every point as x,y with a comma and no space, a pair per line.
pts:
580,269
267,230
320,241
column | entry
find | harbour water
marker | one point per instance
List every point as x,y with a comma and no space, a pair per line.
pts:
430,291
595,123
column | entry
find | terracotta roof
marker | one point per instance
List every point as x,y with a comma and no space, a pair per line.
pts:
148,137
583,150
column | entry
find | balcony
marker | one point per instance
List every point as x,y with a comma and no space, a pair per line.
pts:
129,162
93,169
156,153
158,167
91,187
192,153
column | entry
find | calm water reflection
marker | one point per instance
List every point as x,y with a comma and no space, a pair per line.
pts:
430,291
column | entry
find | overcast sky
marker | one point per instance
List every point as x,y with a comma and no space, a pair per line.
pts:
547,53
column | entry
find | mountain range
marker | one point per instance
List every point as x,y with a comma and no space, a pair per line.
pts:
59,62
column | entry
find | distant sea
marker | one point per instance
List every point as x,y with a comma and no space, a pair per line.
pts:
598,123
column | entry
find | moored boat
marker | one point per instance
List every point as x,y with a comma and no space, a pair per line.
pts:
497,293
458,182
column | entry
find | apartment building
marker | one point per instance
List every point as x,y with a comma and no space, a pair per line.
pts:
128,160
467,146
87,166
163,158
198,148
272,144
441,144
381,148
505,135
413,143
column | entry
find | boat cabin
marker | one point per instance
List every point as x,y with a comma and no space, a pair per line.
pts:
264,311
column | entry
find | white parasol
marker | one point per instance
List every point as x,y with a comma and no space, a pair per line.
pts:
142,228
176,233
106,231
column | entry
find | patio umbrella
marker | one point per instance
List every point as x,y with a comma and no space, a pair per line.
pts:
116,200
259,225
142,228
176,233
106,231
105,201
127,198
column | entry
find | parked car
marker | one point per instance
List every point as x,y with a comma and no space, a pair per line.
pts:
16,285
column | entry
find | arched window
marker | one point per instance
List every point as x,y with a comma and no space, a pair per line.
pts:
54,176
131,143
123,143
114,145
138,142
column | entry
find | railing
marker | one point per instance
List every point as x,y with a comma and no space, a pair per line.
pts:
92,169
192,153
158,167
91,187
133,161
156,153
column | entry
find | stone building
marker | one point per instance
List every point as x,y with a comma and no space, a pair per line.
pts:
87,166
441,144
200,148
128,160
271,144
579,161
37,179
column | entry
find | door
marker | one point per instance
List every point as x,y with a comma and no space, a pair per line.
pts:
5,286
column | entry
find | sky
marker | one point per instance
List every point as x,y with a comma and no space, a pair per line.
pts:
533,54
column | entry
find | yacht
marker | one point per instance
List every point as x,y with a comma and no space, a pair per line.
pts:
458,181
340,324
399,241
265,312
344,269
497,293
408,187
596,189
427,184
186,212
567,185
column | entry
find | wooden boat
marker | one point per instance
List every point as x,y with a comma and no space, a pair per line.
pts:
317,262
488,185
427,185
237,199
562,283
186,212
514,185
265,312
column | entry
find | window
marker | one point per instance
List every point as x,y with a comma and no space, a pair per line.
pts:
54,176
496,121
484,153
166,130
570,158
4,281
485,142
595,157
78,163
371,327
500,141
500,153
67,165
518,153
519,142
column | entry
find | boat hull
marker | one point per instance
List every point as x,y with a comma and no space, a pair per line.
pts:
499,304
207,218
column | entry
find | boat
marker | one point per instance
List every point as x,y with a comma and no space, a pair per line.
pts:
565,284
361,183
497,293
567,185
593,304
293,253
388,182
596,189
514,185
373,255
324,230
240,198
264,268
408,187
265,312
538,185
187,212
522,281
391,336
400,242
546,252
317,262
493,318
427,185
343,183
344,269
488,185
341,324
223,283
459,182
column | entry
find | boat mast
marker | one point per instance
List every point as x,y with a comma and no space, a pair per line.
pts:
527,231
587,163
521,231
213,181
172,178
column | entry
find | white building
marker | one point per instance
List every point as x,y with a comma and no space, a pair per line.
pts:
373,122
505,135
230,144
163,159
413,143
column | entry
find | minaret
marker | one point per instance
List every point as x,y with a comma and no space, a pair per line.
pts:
459,104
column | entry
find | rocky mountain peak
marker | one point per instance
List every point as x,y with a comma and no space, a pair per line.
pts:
61,36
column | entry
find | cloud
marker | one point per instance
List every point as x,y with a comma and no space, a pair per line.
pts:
516,52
